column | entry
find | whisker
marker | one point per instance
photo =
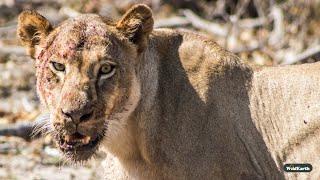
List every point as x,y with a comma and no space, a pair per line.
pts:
41,126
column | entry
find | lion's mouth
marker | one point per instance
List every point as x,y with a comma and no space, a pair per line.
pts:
77,142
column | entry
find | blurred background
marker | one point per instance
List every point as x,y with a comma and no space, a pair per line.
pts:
263,32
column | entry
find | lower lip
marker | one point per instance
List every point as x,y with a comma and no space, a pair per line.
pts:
67,148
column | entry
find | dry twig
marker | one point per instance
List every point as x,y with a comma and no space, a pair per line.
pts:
308,53
198,22
172,22
7,29
249,23
277,33
23,130
27,130
18,50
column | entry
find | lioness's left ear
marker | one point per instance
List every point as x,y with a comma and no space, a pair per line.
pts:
32,28
136,25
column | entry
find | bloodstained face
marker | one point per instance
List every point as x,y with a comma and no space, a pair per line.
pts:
86,75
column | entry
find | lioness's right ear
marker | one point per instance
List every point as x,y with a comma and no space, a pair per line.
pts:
32,27
136,25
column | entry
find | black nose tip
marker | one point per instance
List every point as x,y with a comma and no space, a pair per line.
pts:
86,117
78,116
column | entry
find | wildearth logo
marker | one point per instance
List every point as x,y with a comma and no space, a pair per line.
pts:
297,167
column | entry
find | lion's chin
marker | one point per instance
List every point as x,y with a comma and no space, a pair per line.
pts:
78,147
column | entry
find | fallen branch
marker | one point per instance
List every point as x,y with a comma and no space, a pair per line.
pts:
247,48
219,29
241,7
198,22
172,22
67,11
260,8
251,22
18,50
277,33
7,29
22,130
27,130
310,52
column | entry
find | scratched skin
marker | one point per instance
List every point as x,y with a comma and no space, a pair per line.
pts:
90,43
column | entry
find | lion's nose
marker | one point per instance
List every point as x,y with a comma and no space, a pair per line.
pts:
79,116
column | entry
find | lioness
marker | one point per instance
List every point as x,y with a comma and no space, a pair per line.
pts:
171,104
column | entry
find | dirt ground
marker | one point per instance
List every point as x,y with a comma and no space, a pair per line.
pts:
23,160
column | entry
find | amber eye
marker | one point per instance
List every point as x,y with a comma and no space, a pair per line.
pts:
58,66
106,69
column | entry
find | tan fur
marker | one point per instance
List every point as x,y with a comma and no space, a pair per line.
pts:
178,106
31,28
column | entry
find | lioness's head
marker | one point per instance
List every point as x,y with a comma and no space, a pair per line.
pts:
86,73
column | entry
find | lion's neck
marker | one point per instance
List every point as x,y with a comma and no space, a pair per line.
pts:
127,143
